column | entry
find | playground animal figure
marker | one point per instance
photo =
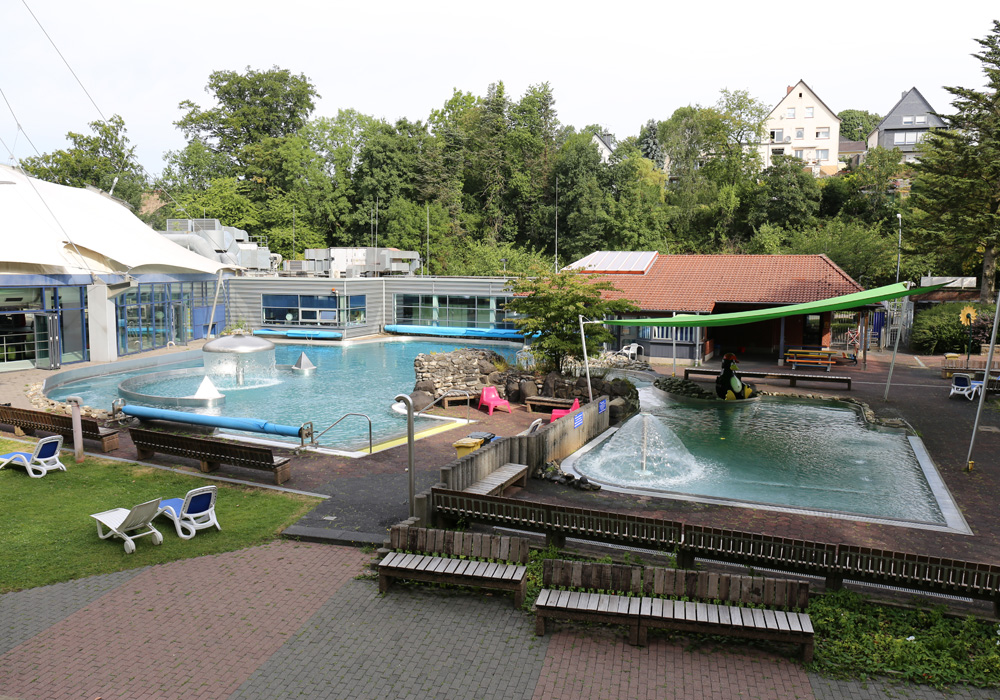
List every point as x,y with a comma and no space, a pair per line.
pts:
728,386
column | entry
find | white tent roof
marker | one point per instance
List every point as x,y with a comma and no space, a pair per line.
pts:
54,229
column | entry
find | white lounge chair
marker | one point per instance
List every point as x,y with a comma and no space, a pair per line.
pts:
121,522
632,351
196,511
963,385
43,460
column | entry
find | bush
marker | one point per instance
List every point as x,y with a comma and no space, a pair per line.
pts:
939,329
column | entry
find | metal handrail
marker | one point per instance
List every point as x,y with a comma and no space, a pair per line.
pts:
317,437
451,392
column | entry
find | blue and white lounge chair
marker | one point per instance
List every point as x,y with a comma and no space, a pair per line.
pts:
121,522
196,511
43,460
963,385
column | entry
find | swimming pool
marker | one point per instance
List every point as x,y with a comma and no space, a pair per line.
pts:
351,378
780,452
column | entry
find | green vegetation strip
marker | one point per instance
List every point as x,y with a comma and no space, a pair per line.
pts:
49,536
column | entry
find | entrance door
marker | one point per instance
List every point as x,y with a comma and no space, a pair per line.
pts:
812,331
48,349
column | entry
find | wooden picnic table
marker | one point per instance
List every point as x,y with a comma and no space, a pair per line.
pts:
811,356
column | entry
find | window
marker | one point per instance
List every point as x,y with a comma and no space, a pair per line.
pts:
451,311
799,153
790,113
823,132
907,121
777,135
809,112
822,154
312,310
921,119
800,133
907,138
778,152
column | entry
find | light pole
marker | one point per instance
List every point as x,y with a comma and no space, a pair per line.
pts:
504,261
899,245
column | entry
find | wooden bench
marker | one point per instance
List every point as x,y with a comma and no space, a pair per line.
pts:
792,378
30,421
642,598
543,404
801,358
496,482
210,453
490,561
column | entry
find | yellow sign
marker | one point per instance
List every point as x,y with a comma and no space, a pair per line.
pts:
968,315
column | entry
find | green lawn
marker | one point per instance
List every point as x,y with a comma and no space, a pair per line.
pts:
49,536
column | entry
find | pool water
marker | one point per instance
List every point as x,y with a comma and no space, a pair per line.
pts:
778,451
356,378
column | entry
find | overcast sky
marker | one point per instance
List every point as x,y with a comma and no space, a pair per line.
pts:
617,64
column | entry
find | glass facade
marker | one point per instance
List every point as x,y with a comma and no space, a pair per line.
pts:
456,311
19,325
154,314
313,310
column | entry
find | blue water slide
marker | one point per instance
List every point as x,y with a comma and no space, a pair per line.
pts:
254,425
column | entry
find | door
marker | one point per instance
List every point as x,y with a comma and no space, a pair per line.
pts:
48,350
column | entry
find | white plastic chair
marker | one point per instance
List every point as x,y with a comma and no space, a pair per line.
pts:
121,522
196,511
963,385
43,460
632,351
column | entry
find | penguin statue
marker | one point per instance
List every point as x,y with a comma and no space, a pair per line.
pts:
728,386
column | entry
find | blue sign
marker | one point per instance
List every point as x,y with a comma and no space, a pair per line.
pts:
578,420
602,405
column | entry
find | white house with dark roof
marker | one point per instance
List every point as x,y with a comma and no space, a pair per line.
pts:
605,145
802,126
906,125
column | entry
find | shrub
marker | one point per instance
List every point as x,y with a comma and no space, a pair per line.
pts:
939,329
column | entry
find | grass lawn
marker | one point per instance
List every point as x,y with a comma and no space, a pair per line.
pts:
49,536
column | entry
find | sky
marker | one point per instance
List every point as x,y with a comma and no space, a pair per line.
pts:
617,65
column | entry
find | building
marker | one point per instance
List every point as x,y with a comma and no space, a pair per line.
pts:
82,278
802,126
605,146
664,285
906,125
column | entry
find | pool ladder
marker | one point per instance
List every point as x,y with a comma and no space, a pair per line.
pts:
451,392
316,437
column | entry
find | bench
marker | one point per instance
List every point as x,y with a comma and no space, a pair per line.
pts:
496,482
643,598
210,453
434,556
792,378
544,404
31,421
798,358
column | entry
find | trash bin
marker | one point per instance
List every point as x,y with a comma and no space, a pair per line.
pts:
466,445
485,437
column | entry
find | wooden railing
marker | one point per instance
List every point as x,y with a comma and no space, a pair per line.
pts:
832,561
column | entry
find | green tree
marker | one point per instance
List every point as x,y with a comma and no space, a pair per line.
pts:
549,305
861,250
873,196
788,196
856,124
104,159
649,143
956,191
743,119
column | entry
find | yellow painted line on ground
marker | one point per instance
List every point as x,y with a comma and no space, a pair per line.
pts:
422,434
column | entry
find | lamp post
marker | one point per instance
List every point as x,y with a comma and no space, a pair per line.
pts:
504,261
899,244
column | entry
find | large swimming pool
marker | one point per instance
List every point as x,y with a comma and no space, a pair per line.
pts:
352,378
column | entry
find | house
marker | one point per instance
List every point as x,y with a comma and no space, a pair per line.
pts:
801,125
906,125
605,145
662,285
852,152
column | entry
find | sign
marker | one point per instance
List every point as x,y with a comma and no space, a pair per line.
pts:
602,405
578,420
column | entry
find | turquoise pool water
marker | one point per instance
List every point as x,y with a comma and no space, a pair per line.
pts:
356,378
784,452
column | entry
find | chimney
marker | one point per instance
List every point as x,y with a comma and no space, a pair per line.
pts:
789,89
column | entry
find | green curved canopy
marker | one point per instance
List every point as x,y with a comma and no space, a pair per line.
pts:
846,301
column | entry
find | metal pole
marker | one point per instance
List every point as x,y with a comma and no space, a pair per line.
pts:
586,362
986,384
427,207
899,244
556,262
895,349
75,402
409,443
211,318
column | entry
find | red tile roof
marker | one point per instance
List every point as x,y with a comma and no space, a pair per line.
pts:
696,283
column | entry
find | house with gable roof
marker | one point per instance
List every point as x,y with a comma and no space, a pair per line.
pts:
802,126
906,125
663,285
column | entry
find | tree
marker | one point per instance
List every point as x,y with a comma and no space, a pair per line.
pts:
104,160
788,196
549,306
743,120
649,143
862,251
856,124
956,191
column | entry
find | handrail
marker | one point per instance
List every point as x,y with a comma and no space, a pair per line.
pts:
317,437
450,392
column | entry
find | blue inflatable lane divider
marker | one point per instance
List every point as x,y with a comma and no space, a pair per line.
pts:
326,335
254,425
269,331
453,332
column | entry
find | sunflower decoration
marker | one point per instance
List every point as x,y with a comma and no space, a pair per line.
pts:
968,315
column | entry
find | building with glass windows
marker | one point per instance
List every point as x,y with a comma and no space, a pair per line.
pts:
82,278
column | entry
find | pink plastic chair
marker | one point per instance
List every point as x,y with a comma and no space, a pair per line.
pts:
558,413
492,399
